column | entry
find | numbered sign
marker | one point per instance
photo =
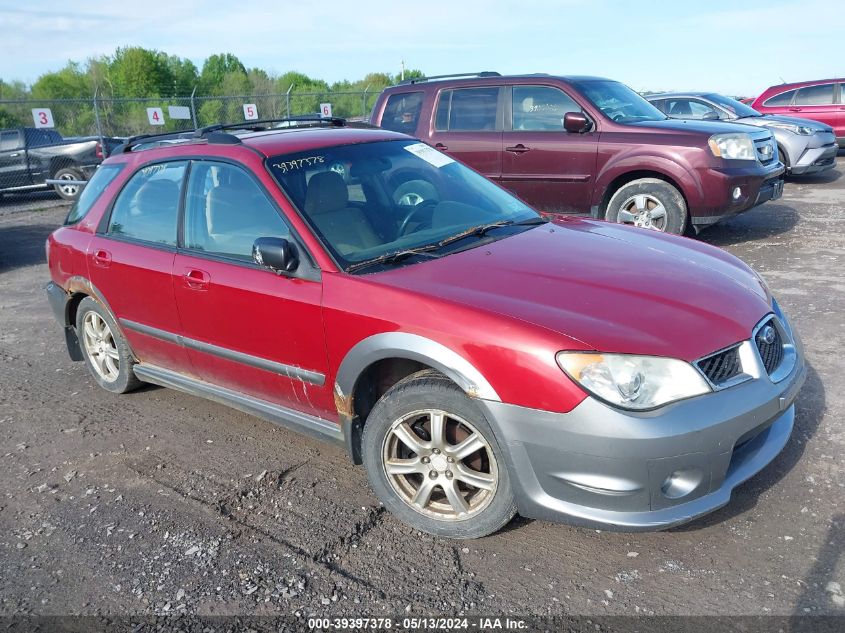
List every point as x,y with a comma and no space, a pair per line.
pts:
250,112
42,117
325,109
156,116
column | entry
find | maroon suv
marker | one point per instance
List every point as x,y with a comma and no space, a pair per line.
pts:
586,144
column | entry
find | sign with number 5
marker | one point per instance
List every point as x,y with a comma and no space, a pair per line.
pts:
326,109
42,117
156,116
250,112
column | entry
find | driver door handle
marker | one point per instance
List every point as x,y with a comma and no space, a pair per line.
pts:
519,148
196,279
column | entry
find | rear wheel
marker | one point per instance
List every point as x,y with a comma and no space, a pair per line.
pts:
106,353
649,203
68,191
433,461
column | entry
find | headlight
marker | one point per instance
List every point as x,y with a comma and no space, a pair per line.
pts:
633,382
803,130
735,146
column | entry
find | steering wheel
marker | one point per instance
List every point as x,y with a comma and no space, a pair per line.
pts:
423,205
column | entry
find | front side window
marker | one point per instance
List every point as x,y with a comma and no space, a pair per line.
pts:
402,112
91,192
690,109
147,207
815,95
467,110
783,99
540,108
9,141
392,196
618,102
226,211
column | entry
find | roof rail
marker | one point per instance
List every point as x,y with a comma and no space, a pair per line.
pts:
483,73
265,124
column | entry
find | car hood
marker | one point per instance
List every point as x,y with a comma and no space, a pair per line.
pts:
692,125
610,287
764,120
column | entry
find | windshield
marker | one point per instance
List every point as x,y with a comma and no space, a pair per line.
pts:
618,102
732,105
377,200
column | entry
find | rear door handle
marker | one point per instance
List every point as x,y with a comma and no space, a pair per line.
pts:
196,279
102,258
795,109
519,148
440,146
15,155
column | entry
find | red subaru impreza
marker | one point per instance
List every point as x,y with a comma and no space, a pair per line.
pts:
476,358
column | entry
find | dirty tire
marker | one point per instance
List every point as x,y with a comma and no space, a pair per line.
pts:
429,390
68,192
125,380
668,197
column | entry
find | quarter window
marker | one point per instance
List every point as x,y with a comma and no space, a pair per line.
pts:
815,95
467,110
148,206
402,112
784,98
540,108
226,211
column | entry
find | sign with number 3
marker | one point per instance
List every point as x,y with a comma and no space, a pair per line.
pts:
42,117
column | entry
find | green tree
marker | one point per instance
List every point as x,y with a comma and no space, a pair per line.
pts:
71,82
215,69
138,72
185,75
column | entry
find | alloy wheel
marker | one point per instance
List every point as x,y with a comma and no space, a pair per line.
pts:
643,210
100,346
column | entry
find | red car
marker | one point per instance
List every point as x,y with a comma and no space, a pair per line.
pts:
821,100
476,358
588,145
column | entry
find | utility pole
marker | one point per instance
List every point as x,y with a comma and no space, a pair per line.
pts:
402,76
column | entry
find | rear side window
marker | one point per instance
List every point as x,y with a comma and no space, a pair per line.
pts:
147,207
467,109
784,98
226,211
91,192
540,108
9,141
815,95
402,112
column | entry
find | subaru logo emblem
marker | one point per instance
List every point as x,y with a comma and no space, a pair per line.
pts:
769,335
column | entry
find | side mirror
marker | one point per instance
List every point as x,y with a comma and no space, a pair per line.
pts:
576,122
275,253
710,116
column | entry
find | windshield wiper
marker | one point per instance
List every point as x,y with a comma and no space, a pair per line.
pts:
477,231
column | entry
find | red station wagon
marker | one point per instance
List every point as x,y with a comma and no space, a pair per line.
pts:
477,359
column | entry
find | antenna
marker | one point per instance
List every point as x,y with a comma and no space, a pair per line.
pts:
782,80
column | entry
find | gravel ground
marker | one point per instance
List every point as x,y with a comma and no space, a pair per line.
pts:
157,502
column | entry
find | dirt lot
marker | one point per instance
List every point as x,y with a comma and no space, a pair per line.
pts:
158,502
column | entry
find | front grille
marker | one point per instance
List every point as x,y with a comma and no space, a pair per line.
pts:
771,353
721,367
765,150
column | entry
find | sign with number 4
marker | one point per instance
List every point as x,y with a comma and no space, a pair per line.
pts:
326,109
250,112
156,116
43,117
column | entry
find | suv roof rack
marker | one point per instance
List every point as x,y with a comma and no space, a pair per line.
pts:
216,134
483,73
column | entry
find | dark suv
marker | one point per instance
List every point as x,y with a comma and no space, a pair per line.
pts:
586,144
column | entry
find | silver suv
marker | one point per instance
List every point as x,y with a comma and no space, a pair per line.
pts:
805,147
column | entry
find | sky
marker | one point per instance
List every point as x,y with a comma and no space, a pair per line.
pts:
737,48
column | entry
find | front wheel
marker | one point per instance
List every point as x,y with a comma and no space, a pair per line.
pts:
433,461
68,191
649,203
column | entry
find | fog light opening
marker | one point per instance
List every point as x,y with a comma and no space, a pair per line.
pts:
737,193
681,482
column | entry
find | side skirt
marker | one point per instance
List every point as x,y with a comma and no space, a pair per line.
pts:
288,418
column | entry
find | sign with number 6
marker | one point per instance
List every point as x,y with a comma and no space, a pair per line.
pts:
156,116
42,117
326,109
250,112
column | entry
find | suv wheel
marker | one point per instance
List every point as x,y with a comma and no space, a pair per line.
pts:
649,203
106,352
68,192
433,461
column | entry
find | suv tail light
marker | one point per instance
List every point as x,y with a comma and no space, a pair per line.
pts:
98,150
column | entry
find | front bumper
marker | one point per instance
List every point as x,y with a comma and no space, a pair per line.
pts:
815,160
602,467
757,184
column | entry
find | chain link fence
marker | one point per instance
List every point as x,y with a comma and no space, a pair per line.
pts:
46,140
